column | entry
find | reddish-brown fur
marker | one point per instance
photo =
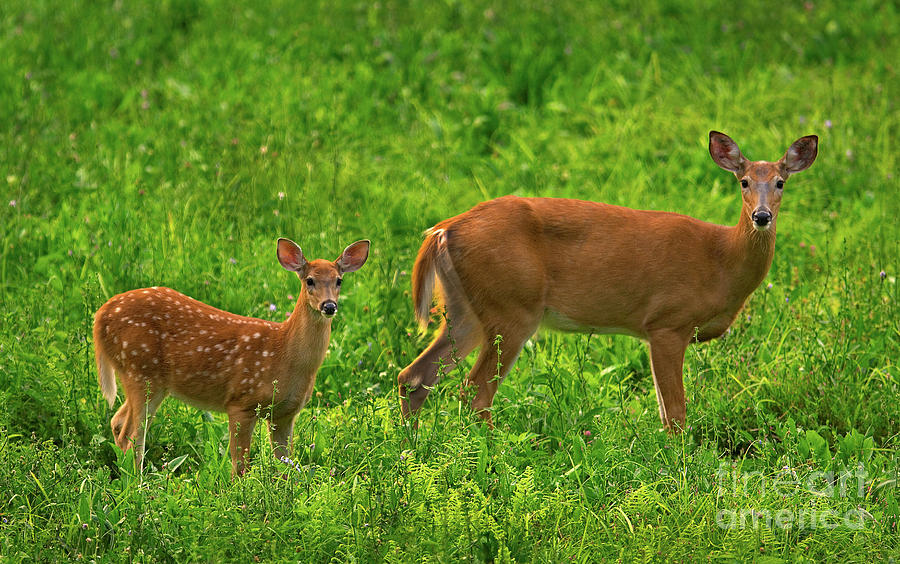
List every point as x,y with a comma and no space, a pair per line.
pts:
509,265
160,342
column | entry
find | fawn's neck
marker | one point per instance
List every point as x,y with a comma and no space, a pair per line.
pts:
306,334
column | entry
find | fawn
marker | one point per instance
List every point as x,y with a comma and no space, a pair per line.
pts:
160,342
510,265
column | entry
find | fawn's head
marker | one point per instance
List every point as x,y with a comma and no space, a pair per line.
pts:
762,182
322,278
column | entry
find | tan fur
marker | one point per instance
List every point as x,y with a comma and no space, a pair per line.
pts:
509,265
160,342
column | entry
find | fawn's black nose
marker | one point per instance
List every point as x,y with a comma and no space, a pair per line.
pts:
762,218
329,308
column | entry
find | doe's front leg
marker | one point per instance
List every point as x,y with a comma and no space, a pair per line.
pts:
667,348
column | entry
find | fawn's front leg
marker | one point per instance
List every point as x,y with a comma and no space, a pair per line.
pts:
280,432
240,431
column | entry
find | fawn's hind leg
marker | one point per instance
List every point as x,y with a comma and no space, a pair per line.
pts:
120,425
131,421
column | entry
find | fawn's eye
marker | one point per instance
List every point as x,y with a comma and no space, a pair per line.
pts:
745,183
338,282
779,184
310,283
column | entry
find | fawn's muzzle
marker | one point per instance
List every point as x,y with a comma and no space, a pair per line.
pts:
328,308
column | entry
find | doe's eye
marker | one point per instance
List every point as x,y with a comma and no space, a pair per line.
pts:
310,282
338,282
745,183
779,184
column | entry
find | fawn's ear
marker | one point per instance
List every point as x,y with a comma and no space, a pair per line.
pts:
290,256
801,154
725,152
354,256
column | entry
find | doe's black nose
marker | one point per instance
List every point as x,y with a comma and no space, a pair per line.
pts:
329,308
762,217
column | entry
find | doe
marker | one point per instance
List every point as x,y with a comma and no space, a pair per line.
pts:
160,342
510,265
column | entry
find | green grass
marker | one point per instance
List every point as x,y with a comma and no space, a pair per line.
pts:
171,144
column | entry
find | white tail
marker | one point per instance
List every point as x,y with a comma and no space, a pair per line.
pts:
509,265
161,342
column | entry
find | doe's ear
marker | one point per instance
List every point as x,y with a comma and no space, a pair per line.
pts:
290,256
801,154
725,152
354,256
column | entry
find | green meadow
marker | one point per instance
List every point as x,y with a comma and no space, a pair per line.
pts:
171,143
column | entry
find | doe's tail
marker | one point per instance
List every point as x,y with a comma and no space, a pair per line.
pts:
424,273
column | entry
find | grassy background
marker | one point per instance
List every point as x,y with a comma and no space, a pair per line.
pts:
172,143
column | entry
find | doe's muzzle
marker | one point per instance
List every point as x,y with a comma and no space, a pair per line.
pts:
762,218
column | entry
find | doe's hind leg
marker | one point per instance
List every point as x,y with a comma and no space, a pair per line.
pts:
459,335
486,375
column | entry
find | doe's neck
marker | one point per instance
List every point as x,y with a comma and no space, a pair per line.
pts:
751,250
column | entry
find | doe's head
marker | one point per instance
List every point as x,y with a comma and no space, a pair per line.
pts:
762,182
322,278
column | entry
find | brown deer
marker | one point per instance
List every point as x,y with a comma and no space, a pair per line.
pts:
510,265
160,342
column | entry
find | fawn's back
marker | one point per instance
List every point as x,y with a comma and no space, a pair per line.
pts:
166,341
